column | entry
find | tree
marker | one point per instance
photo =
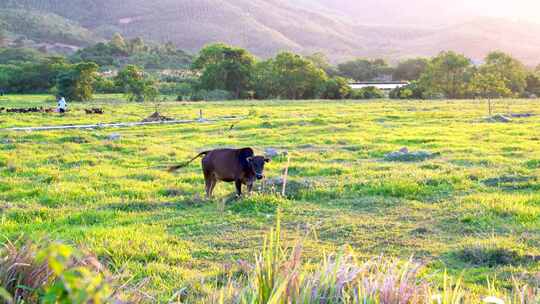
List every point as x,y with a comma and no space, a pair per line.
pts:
20,55
373,93
448,73
296,77
103,54
489,85
226,68
533,84
410,69
367,93
410,91
113,55
320,60
37,76
135,85
364,70
265,80
77,81
509,69
337,88
170,48
118,42
136,45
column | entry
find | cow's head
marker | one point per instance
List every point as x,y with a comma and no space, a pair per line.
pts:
256,163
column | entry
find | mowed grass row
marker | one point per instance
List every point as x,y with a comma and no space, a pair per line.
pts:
474,209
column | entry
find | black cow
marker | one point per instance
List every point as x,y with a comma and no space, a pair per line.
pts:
240,166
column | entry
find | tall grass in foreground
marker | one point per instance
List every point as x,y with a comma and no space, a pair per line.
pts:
53,273
281,276
56,273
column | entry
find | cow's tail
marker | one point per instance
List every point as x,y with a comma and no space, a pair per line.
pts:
178,167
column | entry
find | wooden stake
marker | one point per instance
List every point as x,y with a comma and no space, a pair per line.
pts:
285,175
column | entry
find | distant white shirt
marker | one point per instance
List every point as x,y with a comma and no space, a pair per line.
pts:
62,105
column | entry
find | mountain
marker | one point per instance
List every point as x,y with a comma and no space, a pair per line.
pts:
392,12
44,30
343,29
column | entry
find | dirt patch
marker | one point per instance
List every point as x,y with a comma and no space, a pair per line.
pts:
156,117
510,182
404,155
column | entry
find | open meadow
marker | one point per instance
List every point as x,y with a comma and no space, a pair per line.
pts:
471,208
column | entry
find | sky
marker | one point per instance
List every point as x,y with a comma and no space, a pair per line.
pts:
426,12
517,9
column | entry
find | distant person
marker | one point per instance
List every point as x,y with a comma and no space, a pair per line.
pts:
62,105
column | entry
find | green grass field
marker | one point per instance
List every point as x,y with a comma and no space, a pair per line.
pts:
473,210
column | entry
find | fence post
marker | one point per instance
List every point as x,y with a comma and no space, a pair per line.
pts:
285,174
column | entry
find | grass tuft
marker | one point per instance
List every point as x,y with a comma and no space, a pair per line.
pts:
490,253
259,203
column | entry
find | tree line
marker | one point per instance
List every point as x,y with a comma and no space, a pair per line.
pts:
290,76
221,72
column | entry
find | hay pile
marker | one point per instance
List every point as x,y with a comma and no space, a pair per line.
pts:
155,117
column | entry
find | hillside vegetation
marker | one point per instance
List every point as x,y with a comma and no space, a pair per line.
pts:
268,26
48,28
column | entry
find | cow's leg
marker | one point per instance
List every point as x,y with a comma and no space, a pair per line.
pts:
210,182
238,188
250,187
212,186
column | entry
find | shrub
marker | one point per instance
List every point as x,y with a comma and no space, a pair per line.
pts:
367,93
77,82
218,95
106,86
490,253
21,272
136,85
410,91
182,89
199,95
54,273
215,95
337,88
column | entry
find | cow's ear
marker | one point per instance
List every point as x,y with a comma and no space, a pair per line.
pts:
267,160
249,159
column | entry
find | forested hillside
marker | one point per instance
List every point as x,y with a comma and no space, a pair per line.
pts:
342,29
33,27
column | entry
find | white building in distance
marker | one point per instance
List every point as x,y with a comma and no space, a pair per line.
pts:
385,86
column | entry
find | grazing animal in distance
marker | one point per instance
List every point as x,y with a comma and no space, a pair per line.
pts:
240,166
94,111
